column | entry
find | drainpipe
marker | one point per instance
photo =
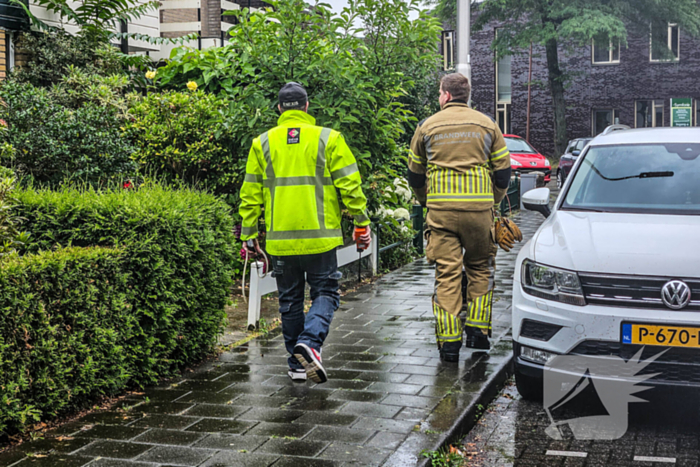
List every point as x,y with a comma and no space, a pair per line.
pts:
463,38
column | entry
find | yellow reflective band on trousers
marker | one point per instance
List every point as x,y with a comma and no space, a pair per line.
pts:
448,328
479,315
474,185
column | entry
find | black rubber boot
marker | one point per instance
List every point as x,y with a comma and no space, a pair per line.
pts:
449,352
477,340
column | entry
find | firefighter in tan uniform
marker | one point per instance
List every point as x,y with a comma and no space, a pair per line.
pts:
460,166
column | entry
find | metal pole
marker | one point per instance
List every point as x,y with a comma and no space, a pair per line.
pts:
529,89
463,38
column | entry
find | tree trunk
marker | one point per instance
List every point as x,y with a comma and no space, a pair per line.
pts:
556,85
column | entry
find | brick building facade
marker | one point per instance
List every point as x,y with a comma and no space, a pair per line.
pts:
205,17
608,84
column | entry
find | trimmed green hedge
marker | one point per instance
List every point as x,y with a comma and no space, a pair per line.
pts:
66,326
176,257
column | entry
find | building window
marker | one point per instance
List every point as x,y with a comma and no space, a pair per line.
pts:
673,42
503,92
503,117
448,50
649,114
605,51
603,118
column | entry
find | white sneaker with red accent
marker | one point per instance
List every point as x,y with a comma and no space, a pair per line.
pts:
311,359
297,374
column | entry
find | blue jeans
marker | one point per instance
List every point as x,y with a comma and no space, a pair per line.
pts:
292,273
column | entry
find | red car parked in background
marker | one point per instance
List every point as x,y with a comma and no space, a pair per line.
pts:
524,158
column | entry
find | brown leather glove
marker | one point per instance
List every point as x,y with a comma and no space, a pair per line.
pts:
507,233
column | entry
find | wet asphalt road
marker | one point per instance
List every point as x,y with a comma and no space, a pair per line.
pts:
665,431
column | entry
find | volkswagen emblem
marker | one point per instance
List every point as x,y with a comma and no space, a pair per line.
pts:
675,294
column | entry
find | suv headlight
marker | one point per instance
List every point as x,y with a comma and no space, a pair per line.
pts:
552,283
514,162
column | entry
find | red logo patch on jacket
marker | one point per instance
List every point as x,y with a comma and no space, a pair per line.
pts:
293,135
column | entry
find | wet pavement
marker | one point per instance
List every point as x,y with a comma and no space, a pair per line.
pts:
388,396
662,432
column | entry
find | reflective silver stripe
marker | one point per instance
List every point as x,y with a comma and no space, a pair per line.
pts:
296,181
303,234
269,172
249,230
426,143
487,146
361,217
253,178
344,172
320,176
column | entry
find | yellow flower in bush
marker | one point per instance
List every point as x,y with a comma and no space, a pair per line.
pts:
192,86
150,74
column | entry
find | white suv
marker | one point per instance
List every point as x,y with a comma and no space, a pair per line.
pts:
615,268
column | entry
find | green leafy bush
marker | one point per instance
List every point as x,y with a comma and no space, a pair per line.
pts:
52,54
71,131
173,274
68,332
181,135
10,236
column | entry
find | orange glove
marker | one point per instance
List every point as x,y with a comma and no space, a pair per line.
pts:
362,237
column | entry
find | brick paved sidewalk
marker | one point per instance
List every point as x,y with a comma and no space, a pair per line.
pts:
387,398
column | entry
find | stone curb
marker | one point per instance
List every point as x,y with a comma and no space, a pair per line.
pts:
484,396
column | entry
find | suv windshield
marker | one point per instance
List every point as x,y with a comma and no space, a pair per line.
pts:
519,146
650,178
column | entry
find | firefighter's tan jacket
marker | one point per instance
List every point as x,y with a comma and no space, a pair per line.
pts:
459,149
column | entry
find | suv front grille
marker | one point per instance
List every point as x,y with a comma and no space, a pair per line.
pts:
633,291
677,366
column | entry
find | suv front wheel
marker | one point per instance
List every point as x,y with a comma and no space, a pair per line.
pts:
560,179
529,387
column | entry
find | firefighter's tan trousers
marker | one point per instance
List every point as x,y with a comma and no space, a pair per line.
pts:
457,238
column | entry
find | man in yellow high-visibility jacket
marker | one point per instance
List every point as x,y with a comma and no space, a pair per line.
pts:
293,170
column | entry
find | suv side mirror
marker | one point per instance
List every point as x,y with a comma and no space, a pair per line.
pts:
537,200
576,152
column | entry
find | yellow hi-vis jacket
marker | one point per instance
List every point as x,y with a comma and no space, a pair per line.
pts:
294,170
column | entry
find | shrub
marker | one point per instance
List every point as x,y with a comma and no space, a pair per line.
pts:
10,236
68,332
177,258
181,136
51,54
71,131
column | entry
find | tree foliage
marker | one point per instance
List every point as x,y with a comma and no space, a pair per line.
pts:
356,66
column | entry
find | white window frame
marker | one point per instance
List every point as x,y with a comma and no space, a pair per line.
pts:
669,40
448,50
655,103
611,60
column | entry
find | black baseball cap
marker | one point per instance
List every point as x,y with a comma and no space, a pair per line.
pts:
292,95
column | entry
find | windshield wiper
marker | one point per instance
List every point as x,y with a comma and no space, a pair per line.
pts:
639,175
642,175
